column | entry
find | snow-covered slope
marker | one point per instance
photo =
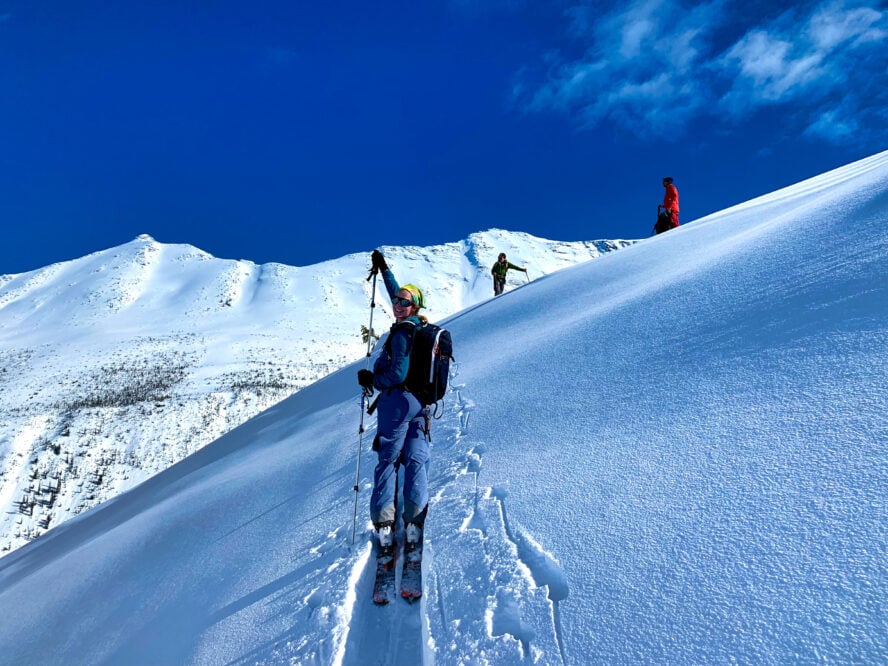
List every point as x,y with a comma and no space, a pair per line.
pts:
673,454
117,365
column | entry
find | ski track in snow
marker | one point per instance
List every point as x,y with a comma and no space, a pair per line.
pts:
378,635
498,602
382,635
320,622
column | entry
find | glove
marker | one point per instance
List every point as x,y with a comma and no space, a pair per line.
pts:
378,261
365,379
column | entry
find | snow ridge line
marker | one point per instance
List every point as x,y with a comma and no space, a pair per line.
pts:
26,285
497,599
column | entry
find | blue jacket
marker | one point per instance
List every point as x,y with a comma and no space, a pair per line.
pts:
390,369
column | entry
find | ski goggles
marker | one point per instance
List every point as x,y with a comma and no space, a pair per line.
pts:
403,302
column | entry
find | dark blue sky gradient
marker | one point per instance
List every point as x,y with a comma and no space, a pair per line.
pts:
301,131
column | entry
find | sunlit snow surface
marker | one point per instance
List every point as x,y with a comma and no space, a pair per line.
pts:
675,453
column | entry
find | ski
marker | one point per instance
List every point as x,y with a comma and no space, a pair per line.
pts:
411,576
384,585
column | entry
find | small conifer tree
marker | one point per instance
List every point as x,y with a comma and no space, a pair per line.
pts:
367,334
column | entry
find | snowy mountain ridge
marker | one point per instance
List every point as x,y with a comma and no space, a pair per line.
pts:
116,365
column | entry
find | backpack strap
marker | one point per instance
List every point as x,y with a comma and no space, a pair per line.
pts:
407,325
412,327
435,345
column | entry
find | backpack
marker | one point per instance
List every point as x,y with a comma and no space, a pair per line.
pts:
430,356
664,222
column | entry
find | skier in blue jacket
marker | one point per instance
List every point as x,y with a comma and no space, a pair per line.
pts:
402,421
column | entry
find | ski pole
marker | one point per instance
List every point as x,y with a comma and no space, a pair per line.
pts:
364,396
527,276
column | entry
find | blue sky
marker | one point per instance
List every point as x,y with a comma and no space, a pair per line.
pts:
298,131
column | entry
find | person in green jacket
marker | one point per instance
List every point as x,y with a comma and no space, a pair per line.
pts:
499,270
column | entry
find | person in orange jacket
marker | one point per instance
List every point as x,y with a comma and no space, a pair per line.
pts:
670,201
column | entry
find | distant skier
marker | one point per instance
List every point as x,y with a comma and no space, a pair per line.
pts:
499,270
670,203
402,420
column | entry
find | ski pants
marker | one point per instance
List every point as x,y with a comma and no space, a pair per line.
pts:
499,283
401,433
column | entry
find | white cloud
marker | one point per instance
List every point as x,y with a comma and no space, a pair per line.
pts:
834,126
639,68
833,24
656,64
766,68
787,62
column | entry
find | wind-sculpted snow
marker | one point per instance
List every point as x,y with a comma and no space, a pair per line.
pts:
673,454
117,365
